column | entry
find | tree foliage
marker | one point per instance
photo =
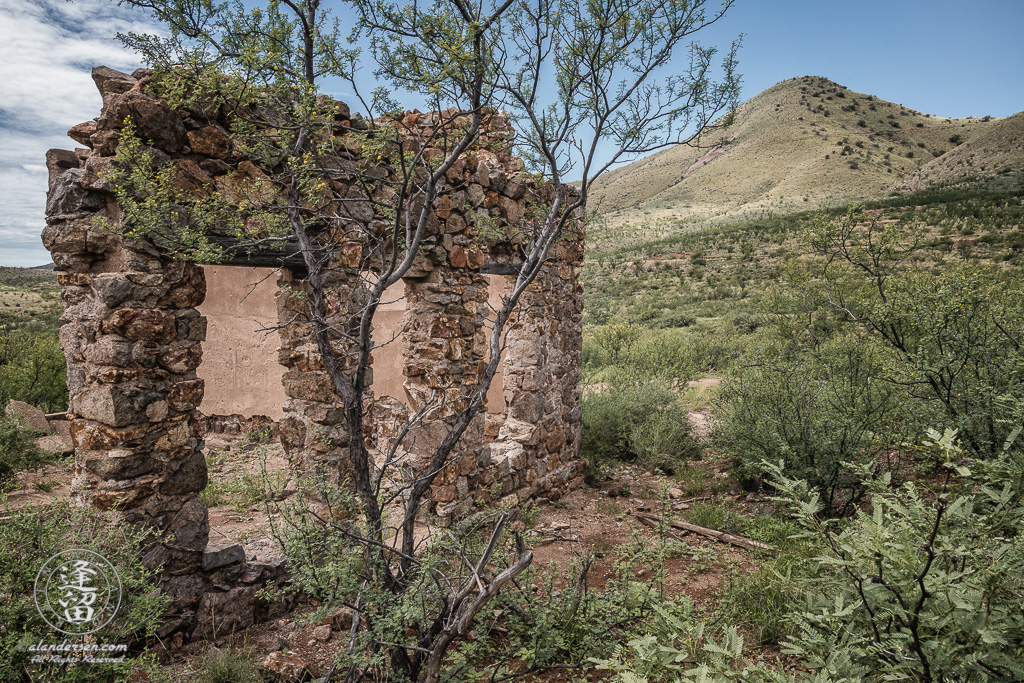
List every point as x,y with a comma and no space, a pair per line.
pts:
920,588
585,85
865,350
954,337
32,368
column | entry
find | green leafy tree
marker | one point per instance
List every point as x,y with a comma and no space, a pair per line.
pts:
821,415
954,337
32,369
924,587
584,85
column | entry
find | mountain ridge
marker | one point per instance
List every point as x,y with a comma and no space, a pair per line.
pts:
805,143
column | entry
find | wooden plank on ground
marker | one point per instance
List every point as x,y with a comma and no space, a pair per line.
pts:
738,541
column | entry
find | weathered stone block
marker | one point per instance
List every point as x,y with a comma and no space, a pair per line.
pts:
29,415
154,120
176,436
309,386
182,359
185,591
112,82
120,463
112,290
142,325
222,555
189,178
60,160
519,431
191,327
97,169
186,396
157,411
210,140
190,477
190,525
107,404
444,494
222,614
187,288
67,196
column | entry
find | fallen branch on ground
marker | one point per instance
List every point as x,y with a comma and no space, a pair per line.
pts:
655,521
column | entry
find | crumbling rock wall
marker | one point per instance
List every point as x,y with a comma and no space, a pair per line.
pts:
134,339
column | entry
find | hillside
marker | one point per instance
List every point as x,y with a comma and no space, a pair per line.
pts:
28,294
804,143
995,149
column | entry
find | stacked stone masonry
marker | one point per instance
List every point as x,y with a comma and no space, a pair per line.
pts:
134,340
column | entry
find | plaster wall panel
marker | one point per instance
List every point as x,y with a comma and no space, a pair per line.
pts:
240,363
388,379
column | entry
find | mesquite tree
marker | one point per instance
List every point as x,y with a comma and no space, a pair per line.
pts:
583,85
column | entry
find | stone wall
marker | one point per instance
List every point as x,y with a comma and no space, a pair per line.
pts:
134,333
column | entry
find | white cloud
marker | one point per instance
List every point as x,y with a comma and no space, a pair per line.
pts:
47,48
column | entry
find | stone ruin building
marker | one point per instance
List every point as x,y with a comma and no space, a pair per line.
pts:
161,351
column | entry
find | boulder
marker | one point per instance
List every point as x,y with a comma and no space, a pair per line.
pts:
217,556
29,416
55,444
82,132
96,170
60,160
210,141
154,120
112,82
226,613
285,667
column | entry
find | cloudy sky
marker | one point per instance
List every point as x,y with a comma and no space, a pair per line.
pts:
942,57
47,48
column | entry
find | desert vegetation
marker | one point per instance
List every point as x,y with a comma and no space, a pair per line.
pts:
32,367
867,424
871,386
801,425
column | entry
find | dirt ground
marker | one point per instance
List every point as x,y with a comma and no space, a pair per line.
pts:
592,520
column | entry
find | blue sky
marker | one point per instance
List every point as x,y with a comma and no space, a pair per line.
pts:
937,56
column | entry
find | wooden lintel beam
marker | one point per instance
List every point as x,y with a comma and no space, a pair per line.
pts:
500,269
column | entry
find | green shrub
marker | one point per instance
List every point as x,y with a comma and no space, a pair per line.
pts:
226,666
952,339
924,587
716,516
29,537
677,320
33,369
744,322
816,414
663,440
624,352
761,602
18,451
763,599
544,618
642,420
